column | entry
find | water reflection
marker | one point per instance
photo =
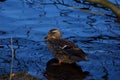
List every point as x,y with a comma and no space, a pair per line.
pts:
64,71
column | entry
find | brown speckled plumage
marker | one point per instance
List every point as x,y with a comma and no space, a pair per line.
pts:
65,51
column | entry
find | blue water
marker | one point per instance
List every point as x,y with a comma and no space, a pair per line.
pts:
28,21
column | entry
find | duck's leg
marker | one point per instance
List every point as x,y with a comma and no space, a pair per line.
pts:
59,63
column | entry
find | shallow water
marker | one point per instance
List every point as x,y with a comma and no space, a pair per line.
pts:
28,21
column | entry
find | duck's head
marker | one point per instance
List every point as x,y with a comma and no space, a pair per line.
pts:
53,34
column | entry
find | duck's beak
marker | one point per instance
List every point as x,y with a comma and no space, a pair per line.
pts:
45,37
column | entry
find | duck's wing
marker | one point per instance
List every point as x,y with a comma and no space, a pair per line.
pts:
76,54
68,48
73,51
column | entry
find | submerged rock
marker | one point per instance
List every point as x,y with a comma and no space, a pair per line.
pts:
64,71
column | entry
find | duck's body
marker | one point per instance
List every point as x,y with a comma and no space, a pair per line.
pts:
65,51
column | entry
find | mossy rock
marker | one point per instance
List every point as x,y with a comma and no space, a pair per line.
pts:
18,76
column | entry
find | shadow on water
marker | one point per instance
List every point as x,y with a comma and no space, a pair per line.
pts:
64,71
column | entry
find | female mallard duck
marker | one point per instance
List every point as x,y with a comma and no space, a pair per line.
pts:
65,51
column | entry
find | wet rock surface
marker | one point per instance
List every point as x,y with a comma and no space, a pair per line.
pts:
18,76
64,71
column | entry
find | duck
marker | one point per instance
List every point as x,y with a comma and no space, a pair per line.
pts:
64,50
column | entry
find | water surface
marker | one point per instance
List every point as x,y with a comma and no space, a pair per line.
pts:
28,21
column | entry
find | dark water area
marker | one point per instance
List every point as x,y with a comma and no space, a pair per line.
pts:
28,21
